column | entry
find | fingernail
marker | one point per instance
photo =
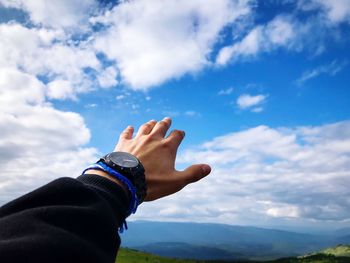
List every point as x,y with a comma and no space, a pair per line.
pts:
206,169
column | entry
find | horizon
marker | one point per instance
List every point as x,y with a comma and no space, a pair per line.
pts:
261,89
292,229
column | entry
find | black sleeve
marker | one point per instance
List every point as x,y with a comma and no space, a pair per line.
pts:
67,220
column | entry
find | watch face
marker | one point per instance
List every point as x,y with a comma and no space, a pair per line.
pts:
123,159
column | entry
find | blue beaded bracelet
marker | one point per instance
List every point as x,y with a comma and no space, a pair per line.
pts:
134,200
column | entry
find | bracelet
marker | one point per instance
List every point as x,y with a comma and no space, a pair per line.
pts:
103,167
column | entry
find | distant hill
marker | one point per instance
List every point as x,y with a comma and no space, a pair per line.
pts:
344,239
338,254
220,242
342,231
343,235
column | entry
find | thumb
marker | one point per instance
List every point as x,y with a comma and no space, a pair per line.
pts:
195,172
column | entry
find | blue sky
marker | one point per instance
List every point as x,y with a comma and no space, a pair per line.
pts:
260,87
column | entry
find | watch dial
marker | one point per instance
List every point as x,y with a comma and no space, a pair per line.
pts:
123,159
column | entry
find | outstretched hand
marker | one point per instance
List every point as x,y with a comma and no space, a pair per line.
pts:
157,154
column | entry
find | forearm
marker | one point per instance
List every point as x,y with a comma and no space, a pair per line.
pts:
67,220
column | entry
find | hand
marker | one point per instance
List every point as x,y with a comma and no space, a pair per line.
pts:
157,154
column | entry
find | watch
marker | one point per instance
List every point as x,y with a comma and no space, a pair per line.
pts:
129,166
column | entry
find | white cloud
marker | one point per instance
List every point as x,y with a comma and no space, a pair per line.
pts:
108,77
17,88
250,45
57,14
91,105
247,101
38,143
148,42
120,97
170,113
331,69
153,41
227,91
43,52
284,211
257,109
192,113
277,33
335,11
267,176
60,89
290,32
38,63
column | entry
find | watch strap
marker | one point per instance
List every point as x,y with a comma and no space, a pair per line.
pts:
131,188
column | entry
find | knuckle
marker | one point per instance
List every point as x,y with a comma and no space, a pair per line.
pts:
166,144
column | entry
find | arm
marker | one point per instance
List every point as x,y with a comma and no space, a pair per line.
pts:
77,219
67,220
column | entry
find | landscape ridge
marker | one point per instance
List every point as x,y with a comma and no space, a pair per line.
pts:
210,241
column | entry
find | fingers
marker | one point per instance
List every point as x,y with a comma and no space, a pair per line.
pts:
175,138
161,127
127,133
194,173
146,128
156,128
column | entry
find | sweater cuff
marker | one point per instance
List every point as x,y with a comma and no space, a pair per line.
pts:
113,193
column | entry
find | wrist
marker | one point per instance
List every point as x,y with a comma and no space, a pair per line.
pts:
111,178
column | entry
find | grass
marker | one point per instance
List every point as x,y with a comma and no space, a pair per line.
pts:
126,255
338,254
339,251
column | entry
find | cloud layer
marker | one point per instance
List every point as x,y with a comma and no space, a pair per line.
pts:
143,44
38,143
160,40
61,14
262,38
295,174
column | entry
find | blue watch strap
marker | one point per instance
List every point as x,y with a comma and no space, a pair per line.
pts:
131,188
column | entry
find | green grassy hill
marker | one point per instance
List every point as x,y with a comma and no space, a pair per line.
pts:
126,255
339,251
338,254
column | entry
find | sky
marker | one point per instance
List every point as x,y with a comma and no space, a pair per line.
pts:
260,87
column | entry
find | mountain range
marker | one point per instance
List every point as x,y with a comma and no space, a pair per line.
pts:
224,242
